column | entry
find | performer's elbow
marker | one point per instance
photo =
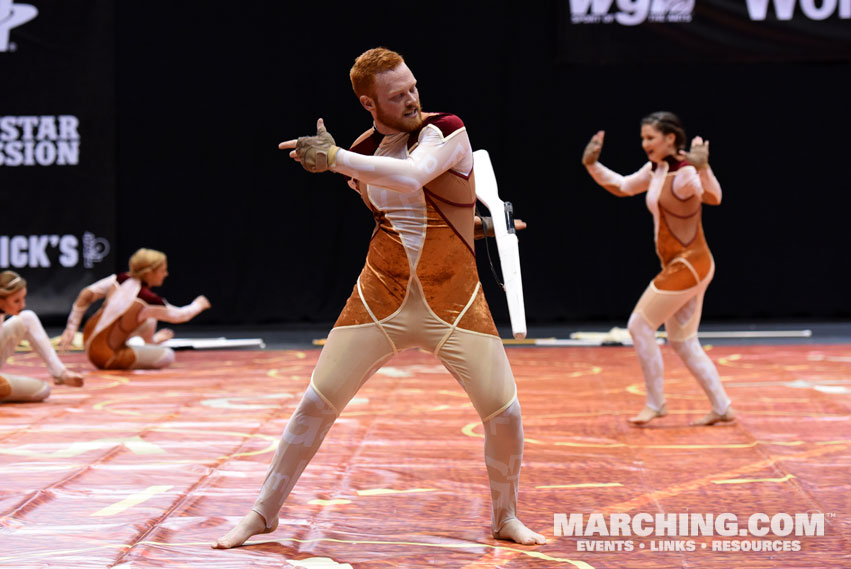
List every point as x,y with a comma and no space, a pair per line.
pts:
711,199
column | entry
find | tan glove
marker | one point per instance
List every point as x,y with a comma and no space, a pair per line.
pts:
317,153
593,148
698,155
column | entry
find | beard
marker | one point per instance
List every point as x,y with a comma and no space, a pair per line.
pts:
400,122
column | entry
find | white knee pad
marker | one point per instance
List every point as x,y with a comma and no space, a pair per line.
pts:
166,359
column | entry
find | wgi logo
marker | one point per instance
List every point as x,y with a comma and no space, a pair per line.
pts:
631,12
812,9
39,141
12,16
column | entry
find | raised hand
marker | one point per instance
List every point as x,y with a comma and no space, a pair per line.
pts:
316,153
698,156
202,300
593,148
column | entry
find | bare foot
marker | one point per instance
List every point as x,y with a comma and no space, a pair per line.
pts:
68,377
514,530
163,335
712,417
647,414
252,524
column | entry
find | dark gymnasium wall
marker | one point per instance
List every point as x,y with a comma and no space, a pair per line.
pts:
57,147
205,91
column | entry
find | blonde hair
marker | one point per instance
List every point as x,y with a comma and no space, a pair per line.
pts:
10,283
144,261
369,64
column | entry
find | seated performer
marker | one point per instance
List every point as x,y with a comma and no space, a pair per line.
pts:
25,324
130,305
419,288
677,184
147,330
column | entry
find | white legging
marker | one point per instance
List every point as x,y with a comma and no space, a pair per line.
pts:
354,353
21,388
152,356
689,351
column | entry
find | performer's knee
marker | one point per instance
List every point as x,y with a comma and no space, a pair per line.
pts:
684,347
311,420
42,393
336,399
510,408
17,389
638,326
506,419
29,319
146,329
166,359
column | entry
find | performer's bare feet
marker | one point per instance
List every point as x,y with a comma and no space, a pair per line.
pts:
647,414
163,335
68,377
514,530
252,524
712,417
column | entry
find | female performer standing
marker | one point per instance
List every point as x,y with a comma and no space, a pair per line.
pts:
677,184
25,324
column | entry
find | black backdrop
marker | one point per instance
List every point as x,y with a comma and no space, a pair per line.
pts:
57,147
205,93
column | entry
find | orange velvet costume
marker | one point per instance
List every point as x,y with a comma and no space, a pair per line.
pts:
446,267
129,305
675,194
418,288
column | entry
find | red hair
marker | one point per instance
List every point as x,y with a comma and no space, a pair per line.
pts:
368,65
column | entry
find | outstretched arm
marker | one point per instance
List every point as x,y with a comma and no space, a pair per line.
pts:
85,299
613,182
174,314
433,156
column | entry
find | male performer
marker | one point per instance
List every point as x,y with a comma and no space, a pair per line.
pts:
419,288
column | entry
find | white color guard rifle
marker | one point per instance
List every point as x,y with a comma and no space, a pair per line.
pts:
506,240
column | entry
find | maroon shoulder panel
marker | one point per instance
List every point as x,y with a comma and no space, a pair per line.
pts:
367,143
446,122
150,296
145,293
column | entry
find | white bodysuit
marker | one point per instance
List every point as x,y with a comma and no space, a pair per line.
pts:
18,388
